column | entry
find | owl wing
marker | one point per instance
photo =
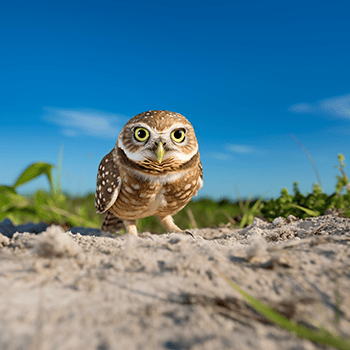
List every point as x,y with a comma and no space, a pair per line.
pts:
200,182
108,183
200,178
201,172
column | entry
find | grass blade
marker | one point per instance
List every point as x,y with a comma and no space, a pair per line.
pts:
321,336
307,211
58,185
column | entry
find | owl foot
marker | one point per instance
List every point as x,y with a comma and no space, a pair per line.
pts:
130,227
169,225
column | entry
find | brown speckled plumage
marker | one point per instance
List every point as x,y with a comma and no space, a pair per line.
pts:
133,183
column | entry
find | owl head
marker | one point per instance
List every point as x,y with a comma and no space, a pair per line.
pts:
160,141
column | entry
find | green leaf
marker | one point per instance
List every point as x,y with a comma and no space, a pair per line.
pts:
7,189
5,193
9,199
307,211
34,170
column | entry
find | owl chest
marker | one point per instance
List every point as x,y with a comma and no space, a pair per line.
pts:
139,199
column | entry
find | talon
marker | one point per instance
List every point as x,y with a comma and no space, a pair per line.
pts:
189,233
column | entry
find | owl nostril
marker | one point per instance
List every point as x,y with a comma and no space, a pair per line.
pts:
157,142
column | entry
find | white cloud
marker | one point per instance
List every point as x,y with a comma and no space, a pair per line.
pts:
221,156
70,132
86,122
241,149
338,106
302,108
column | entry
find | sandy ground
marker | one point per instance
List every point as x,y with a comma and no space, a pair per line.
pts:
66,291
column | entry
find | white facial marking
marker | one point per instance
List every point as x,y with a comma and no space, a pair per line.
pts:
185,157
161,179
136,157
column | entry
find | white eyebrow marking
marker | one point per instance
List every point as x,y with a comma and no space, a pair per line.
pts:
136,157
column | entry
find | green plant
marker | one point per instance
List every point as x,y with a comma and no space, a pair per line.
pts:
314,203
53,207
320,335
58,207
249,213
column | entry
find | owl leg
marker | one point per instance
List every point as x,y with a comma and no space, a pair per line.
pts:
130,227
168,223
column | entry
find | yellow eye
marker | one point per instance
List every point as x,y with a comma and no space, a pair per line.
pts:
141,134
178,135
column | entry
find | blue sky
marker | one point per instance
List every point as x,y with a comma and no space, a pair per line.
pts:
247,74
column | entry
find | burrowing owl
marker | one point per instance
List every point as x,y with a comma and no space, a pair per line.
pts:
154,169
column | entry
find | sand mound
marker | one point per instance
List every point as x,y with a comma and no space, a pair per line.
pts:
63,290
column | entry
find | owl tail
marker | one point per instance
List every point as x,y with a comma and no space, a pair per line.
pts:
111,223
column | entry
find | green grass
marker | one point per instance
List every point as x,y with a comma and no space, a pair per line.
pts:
60,208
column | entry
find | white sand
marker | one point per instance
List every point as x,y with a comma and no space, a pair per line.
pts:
68,291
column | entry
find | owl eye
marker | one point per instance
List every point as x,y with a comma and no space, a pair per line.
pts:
141,134
178,135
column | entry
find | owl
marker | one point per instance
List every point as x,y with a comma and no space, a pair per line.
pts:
153,170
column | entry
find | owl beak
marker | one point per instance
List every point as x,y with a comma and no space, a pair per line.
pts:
160,151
